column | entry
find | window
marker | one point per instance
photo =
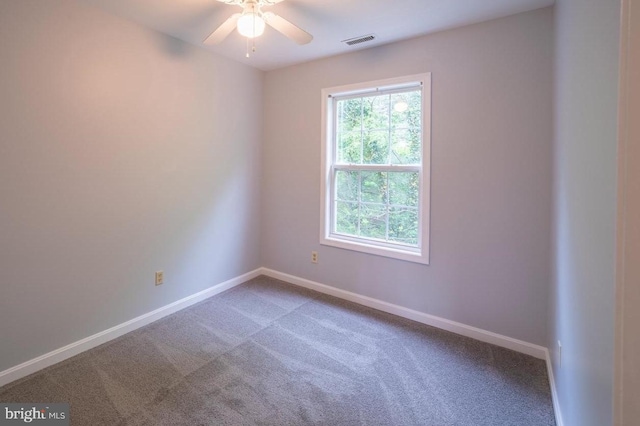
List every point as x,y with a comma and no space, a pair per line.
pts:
375,165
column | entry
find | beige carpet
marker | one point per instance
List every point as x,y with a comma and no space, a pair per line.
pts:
269,353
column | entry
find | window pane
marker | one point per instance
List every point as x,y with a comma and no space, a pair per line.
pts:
376,112
376,147
346,218
403,225
374,187
350,147
404,188
347,186
349,115
406,146
373,221
406,110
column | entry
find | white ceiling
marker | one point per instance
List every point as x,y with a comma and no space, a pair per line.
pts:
329,21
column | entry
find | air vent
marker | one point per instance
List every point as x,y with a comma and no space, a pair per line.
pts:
358,40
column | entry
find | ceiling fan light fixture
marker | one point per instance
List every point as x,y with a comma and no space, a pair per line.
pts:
252,21
251,25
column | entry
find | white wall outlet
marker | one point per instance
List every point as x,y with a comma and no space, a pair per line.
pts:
314,257
559,354
159,277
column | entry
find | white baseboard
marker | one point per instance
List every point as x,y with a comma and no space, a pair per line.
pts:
445,324
554,392
58,355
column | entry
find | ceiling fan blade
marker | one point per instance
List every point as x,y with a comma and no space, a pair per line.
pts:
223,30
287,28
239,2
267,2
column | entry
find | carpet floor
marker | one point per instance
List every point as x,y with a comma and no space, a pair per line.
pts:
270,353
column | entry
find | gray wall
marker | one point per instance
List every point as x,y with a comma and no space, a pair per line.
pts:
583,285
491,176
122,152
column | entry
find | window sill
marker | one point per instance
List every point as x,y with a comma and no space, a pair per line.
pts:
393,253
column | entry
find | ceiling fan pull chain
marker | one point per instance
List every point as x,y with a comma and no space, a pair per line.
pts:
253,39
247,47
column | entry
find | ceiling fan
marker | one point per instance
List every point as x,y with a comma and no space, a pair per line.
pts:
251,23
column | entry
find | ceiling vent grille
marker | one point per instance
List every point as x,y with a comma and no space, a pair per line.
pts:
358,40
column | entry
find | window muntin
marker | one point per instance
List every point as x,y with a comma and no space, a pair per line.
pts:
375,184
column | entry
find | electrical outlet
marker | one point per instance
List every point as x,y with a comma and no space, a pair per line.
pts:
159,277
314,257
559,354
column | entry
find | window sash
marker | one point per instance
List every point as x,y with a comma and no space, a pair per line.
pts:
367,93
333,217
377,167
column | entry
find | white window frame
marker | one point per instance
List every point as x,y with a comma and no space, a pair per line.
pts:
419,254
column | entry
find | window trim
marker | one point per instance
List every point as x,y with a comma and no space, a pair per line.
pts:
411,254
